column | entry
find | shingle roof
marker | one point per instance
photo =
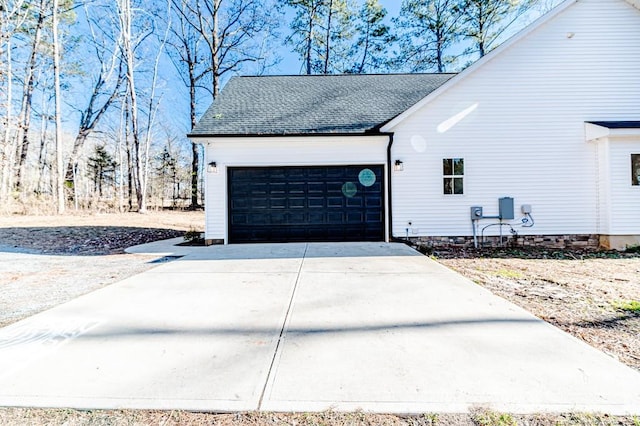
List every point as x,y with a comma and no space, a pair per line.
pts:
280,105
617,124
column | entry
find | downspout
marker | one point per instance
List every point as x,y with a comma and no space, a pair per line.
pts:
389,194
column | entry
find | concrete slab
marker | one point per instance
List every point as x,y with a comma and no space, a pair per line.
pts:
298,327
433,343
178,340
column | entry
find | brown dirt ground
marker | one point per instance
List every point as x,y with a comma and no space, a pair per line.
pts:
584,294
579,293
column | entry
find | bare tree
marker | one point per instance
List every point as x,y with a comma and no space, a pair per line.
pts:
12,16
232,31
58,113
24,121
185,48
106,84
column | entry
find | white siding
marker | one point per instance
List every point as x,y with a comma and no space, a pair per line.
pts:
625,198
270,151
604,188
524,134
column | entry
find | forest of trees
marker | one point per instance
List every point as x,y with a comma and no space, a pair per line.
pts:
97,96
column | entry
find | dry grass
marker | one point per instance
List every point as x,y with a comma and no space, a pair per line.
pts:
480,417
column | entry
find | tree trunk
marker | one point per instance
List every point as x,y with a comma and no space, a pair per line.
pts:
56,78
327,40
195,163
215,56
6,151
309,42
27,97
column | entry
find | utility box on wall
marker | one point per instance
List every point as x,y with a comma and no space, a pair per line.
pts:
505,208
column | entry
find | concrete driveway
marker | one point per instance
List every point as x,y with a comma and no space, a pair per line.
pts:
300,327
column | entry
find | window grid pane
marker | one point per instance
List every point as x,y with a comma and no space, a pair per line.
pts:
458,166
453,176
448,185
457,186
447,166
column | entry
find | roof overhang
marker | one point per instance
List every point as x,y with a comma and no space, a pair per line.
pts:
596,132
236,138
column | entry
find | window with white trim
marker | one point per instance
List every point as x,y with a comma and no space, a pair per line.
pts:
635,169
453,176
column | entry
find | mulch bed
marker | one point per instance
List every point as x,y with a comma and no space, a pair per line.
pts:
82,240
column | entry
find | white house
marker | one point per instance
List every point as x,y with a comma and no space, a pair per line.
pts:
543,134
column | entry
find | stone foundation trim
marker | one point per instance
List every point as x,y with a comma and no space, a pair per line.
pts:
580,241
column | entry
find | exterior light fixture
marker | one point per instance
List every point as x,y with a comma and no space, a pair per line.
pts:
398,166
212,167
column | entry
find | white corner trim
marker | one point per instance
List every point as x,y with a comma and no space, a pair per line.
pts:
593,132
481,62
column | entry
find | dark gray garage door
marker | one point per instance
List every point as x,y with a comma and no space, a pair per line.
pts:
282,204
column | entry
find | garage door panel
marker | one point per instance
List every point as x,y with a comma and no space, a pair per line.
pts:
297,203
355,202
332,203
335,202
278,203
316,203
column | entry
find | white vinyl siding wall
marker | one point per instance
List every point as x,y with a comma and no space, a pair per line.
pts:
276,151
625,198
523,133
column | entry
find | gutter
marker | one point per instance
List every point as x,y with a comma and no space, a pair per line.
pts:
389,194
286,135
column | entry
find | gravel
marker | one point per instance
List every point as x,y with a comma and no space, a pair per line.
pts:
49,260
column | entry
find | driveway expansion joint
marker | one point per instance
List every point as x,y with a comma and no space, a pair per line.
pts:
282,329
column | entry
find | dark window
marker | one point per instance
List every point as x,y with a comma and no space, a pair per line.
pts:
635,169
453,175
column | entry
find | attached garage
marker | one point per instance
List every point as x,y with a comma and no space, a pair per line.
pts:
319,203
302,158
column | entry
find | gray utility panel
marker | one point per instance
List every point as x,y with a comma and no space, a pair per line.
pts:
505,208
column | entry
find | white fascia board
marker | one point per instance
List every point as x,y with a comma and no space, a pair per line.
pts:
593,132
294,139
479,63
624,133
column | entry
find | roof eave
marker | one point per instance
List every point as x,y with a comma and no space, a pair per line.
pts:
481,62
371,132
595,132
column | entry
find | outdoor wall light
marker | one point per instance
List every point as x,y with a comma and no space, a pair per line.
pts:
398,166
212,167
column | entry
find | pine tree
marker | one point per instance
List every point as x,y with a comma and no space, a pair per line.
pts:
429,28
102,168
484,21
370,50
322,31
